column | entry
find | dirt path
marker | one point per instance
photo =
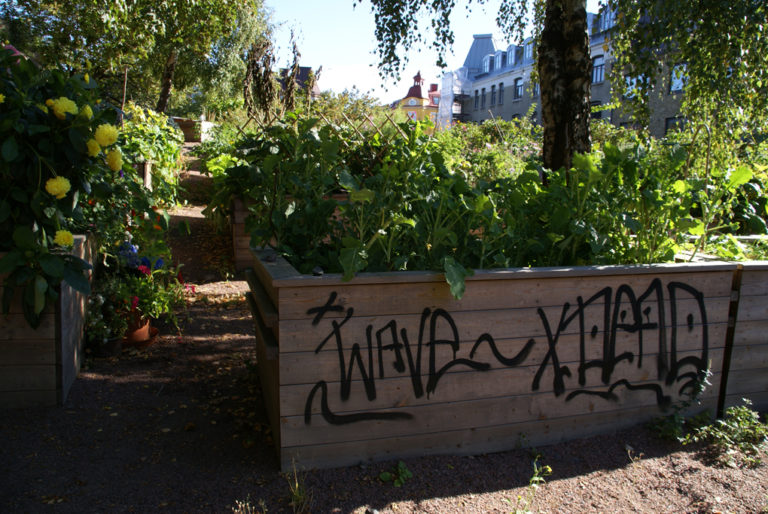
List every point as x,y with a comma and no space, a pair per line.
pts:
180,427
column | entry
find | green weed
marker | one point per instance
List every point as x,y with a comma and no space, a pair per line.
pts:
739,436
397,476
524,501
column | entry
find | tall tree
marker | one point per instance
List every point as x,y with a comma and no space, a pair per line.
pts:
161,42
717,48
564,63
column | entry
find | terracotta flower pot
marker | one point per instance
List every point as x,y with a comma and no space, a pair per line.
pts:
140,333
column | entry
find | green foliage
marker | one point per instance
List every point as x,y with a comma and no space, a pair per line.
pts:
538,478
149,136
398,475
48,120
738,435
207,38
330,198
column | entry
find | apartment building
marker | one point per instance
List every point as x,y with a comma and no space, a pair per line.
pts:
496,82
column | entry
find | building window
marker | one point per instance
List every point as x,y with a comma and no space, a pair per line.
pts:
493,95
606,20
482,98
536,90
528,51
501,93
677,79
598,69
503,60
435,100
518,88
477,98
676,123
486,64
511,56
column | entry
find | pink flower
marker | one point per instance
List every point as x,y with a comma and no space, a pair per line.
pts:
145,270
134,303
190,288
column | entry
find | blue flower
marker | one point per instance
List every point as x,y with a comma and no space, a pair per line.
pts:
159,263
146,262
127,253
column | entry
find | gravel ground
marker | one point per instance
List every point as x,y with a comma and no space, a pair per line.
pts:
180,427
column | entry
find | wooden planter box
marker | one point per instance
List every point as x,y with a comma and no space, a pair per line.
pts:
391,365
38,366
241,239
748,360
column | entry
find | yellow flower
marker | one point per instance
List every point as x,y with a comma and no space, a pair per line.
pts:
86,112
115,159
106,134
86,78
64,238
62,106
49,102
43,108
93,148
2,98
58,187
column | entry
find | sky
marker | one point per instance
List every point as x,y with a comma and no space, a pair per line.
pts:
341,38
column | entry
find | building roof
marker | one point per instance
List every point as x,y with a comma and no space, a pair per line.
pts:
482,45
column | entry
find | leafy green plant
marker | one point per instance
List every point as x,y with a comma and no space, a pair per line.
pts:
738,435
57,144
301,497
398,475
540,473
148,136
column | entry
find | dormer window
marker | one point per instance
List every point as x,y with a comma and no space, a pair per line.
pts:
487,63
528,51
511,55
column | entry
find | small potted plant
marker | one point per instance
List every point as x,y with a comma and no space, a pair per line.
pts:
152,290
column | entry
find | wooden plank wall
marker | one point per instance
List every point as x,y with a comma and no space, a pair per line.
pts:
748,375
372,369
38,366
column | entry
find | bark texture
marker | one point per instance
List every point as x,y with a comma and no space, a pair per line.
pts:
167,82
565,69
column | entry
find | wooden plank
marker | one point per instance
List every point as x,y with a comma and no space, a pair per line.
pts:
298,280
747,381
264,334
397,298
750,332
753,308
303,335
15,327
754,281
26,399
465,384
29,352
476,413
759,400
469,441
750,357
264,305
28,378
310,367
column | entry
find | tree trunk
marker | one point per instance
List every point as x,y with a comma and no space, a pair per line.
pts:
565,69
167,83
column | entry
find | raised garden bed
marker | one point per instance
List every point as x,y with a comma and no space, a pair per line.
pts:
391,365
38,366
